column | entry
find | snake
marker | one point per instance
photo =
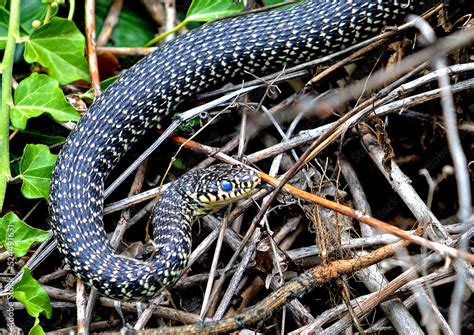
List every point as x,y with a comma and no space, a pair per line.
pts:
212,55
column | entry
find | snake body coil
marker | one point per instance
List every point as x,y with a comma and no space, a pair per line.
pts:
150,90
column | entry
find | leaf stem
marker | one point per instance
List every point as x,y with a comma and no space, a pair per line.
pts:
72,7
49,11
7,99
169,32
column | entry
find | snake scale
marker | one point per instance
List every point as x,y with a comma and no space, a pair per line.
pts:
212,55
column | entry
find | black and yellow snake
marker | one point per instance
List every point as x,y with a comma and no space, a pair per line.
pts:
203,58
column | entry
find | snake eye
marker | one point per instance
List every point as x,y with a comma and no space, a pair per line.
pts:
226,186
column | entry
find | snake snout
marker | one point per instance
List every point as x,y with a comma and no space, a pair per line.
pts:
236,181
249,181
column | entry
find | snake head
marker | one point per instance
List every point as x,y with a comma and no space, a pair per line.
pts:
222,184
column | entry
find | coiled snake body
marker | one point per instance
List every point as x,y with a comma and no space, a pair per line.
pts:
150,90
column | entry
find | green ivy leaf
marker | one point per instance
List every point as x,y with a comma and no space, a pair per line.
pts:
203,11
189,125
133,28
17,237
33,10
30,293
178,163
36,168
36,329
208,10
4,17
59,46
40,94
